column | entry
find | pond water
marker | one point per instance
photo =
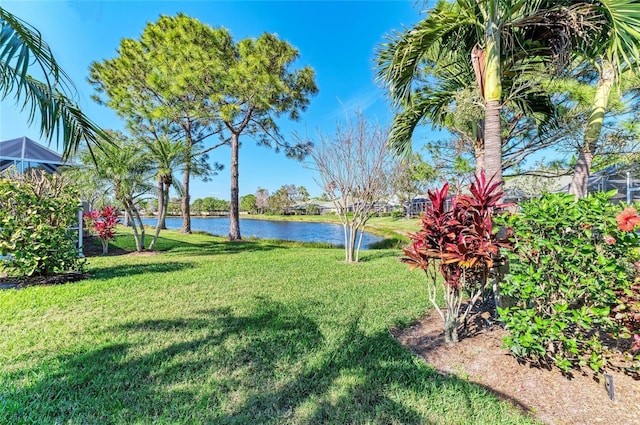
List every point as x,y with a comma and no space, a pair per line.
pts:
270,229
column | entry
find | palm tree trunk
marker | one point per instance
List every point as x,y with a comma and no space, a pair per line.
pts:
161,203
138,219
136,237
185,203
487,69
479,154
582,170
580,180
234,215
493,141
162,213
165,207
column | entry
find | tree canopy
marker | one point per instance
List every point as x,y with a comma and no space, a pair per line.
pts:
161,85
185,80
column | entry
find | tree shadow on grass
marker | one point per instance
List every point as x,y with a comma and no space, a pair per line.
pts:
125,245
273,365
374,369
373,255
170,245
121,270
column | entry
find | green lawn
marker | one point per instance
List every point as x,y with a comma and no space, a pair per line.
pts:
228,333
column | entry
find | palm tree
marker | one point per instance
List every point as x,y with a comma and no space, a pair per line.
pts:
452,100
123,167
496,36
615,52
166,155
22,48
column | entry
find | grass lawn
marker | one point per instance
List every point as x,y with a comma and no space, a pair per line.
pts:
228,333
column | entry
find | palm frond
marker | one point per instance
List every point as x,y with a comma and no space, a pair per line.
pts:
400,58
21,47
623,32
428,104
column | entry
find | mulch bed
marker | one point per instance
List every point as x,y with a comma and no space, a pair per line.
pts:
547,394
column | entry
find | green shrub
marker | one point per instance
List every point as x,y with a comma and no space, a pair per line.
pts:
569,261
36,213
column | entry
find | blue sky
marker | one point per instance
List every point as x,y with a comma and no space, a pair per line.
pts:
336,38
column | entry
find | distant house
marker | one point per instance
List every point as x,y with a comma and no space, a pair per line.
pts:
24,154
316,207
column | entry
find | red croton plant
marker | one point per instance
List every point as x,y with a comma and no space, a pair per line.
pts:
459,243
103,224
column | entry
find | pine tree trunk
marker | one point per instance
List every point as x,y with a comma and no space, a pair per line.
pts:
234,215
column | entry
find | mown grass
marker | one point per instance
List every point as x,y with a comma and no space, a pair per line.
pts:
210,331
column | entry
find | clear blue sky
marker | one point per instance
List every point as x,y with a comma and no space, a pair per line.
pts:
336,38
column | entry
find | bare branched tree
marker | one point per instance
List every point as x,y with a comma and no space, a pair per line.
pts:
262,200
354,167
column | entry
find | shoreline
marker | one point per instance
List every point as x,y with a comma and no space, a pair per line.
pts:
384,227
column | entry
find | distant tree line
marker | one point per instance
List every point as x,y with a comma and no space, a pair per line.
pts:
283,201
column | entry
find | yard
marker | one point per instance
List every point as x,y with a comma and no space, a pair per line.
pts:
208,331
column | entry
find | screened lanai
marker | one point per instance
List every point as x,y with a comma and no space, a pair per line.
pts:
621,177
25,153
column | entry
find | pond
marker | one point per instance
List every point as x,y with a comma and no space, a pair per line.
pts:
269,229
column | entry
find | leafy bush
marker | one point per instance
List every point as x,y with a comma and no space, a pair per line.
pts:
569,262
36,213
102,223
460,244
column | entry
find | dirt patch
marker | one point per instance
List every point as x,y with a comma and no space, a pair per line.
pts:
58,279
547,395
89,250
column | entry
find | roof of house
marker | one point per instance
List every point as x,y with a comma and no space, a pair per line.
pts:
25,153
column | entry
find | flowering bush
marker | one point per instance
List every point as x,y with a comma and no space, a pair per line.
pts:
570,265
460,244
102,224
627,310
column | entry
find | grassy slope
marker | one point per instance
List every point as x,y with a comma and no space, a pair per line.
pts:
228,333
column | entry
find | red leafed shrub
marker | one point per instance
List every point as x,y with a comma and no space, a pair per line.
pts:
459,243
102,224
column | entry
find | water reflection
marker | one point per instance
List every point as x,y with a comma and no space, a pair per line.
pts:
269,229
